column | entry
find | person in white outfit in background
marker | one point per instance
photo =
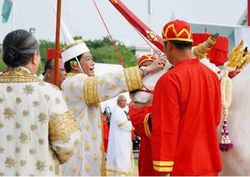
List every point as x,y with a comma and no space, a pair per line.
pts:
119,155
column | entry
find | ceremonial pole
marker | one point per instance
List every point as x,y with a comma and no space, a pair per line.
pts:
138,24
57,43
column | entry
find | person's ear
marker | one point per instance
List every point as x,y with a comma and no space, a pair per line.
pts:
35,58
74,65
169,45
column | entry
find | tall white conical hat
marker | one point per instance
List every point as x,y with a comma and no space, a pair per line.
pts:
73,48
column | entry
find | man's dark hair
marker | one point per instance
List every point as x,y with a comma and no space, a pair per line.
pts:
181,44
18,48
48,65
67,65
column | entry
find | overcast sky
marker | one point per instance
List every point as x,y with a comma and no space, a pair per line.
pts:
82,18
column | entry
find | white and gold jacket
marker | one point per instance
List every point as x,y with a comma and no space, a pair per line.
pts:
83,95
36,128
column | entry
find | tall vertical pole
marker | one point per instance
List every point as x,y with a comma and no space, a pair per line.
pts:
57,44
248,12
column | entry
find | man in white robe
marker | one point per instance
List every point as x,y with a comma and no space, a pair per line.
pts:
83,92
119,155
38,132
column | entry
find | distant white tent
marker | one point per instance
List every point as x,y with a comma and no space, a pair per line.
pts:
242,33
233,32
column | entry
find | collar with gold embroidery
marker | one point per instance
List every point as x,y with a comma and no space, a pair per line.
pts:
20,74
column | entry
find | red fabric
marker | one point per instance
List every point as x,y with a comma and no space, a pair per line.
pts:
146,57
218,54
105,132
177,30
185,115
132,135
51,54
145,164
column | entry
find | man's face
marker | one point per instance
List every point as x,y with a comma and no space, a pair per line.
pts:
61,75
122,102
145,63
87,64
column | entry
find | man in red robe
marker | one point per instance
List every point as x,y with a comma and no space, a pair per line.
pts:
139,116
186,110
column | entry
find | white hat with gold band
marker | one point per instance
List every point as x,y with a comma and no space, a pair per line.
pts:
74,49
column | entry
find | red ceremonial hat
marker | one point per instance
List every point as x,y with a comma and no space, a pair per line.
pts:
177,30
50,55
146,57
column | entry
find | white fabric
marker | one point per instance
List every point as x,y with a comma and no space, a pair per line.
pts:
119,155
212,66
74,51
149,82
236,161
26,109
88,159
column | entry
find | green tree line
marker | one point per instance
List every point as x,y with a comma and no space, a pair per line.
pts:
102,50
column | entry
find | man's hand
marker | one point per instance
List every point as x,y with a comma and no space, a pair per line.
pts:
157,65
234,73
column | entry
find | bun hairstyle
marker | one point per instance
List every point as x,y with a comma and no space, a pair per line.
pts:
18,48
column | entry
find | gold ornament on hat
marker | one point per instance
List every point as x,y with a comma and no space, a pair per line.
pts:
202,49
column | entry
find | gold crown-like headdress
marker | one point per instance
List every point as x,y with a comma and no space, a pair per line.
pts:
202,49
245,59
236,55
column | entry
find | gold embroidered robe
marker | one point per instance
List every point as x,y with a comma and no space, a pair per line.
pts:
33,131
83,95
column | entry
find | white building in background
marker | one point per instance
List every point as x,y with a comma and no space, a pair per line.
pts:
139,50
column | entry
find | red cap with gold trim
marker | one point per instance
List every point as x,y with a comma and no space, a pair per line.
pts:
177,30
50,55
146,57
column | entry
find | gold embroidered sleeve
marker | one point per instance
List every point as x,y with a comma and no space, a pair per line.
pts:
61,126
133,78
63,157
91,90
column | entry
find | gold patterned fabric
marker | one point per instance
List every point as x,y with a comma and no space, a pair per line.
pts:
61,126
91,90
133,78
18,75
26,108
